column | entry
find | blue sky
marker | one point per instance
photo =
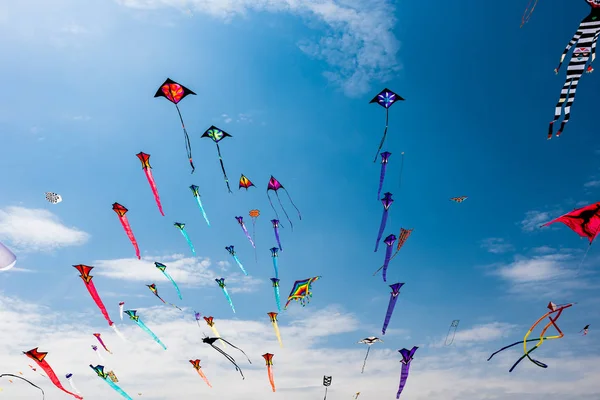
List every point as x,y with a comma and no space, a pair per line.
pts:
291,84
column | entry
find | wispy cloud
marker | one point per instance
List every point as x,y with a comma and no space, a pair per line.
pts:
496,245
534,219
31,230
360,45
226,118
477,334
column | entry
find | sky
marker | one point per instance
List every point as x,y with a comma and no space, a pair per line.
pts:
291,82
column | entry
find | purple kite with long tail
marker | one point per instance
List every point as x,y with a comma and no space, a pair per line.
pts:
387,202
276,290
390,310
389,241
407,356
275,185
384,162
275,223
274,254
240,221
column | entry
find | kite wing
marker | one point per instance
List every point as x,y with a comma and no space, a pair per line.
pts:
584,221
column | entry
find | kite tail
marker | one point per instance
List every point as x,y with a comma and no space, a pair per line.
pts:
154,190
240,265
54,379
228,299
271,378
127,227
217,334
185,235
231,360
384,134
117,389
204,377
381,228
365,362
276,267
512,345
403,378
202,210
277,298
289,197
277,238
156,339
388,314
102,360
388,254
273,207
188,146
174,284
235,347
381,178
285,212
94,293
325,398
223,168
527,13
248,235
277,333
70,379
32,384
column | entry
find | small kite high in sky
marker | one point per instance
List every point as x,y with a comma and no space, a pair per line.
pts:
196,194
211,341
326,383
145,160
453,328
254,214
459,199
240,221
275,185
7,258
97,336
301,291
69,377
85,270
277,294
390,310
181,227
221,283
402,238
273,317
121,304
53,198
40,359
387,202
585,330
163,268
275,223
407,357
231,251
136,318
384,162
245,183
174,92
99,369
121,211
386,98
369,341
269,361
389,242
196,364
217,135
154,291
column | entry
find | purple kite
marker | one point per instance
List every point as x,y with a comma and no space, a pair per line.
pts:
275,223
407,356
274,185
240,221
390,310
387,202
384,162
386,98
389,241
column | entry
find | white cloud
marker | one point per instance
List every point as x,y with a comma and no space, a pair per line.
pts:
30,230
226,118
534,219
592,184
478,334
360,45
496,245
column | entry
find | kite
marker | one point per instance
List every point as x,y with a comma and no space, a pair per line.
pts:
53,198
390,310
197,316
221,283
196,364
121,211
212,340
275,223
112,376
389,241
31,383
174,92
231,251
153,289
275,255
136,318
196,194
163,268
181,227
384,162
584,40
369,341
326,383
273,317
121,304
240,221
387,201
528,11
277,295
40,359
407,356
274,185
402,238
217,135
269,360
386,98
458,199
210,322
97,335
99,369
7,258
245,183
553,309
254,214
454,325
301,291
585,330
95,348
145,159
72,383
356,395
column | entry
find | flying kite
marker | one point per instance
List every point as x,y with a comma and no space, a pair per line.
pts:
386,98
196,364
231,251
221,283
387,202
7,258
136,318
211,323
240,221
145,159
99,370
121,211
585,39
153,289
163,269
453,328
31,383
254,214
210,341
53,198
459,199
384,162
356,395
277,295
402,238
273,317
196,194
97,335
72,383
326,383
585,330
197,316
369,341
275,255
217,135
301,291
174,92
389,241
407,356
181,227
121,304
269,360
390,310
274,185
275,223
528,11
95,348
245,183
40,359
112,376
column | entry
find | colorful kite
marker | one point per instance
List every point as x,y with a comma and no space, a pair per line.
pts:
245,183
181,227
386,98
196,194
211,341
217,135
121,304
402,237
389,241
269,360
274,185
7,258
275,223
231,251
458,199
387,202
221,283
390,310
384,162
121,211
95,348
453,328
72,383
528,11
163,268
277,295
273,317
196,364
407,357
254,214
99,369
197,316
97,335
53,198
153,289
112,376
356,395
31,383
301,292
174,92
275,255
369,341
40,359
135,318
585,330
145,159
240,221
584,40
211,323
85,270
326,383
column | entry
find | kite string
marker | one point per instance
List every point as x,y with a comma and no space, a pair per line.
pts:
223,168
526,16
384,134
188,146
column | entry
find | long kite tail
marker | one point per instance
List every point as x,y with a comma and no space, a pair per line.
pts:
223,168
199,201
276,267
381,228
271,378
188,146
231,360
365,362
31,383
217,334
512,345
237,260
248,235
325,398
118,389
185,235
277,298
154,190
277,333
291,201
129,232
388,314
228,299
384,134
386,262
538,363
174,284
96,297
381,178
204,377
235,347
403,378
156,339
277,238
285,212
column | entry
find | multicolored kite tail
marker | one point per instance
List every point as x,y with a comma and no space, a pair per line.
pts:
269,361
162,267
231,251
99,369
145,160
181,227
31,383
275,185
196,194
40,359
121,211
384,162
221,283
390,310
386,98
97,335
210,341
277,294
407,357
135,318
154,291
387,202
389,241
275,223
217,135
196,364
240,221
